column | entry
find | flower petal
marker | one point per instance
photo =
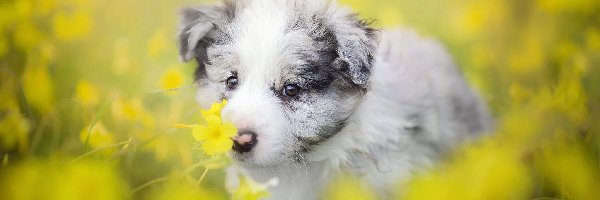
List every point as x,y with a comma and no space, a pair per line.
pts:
250,190
228,130
213,121
200,132
217,146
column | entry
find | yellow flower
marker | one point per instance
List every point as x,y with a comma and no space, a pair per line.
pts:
570,97
569,168
27,35
22,9
131,110
45,7
215,109
157,44
215,136
14,130
68,26
86,93
178,189
173,78
251,190
123,62
346,187
38,86
99,136
14,126
57,180
529,57
487,170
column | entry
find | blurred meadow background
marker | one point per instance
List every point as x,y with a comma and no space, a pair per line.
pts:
90,90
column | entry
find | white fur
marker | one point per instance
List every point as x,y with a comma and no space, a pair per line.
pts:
413,82
411,75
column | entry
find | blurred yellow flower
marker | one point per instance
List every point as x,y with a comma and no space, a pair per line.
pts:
564,51
215,135
98,137
45,7
14,127
172,78
569,96
518,93
123,62
73,25
347,187
131,110
27,36
184,190
491,172
55,180
528,58
252,190
470,19
473,18
86,93
14,130
512,131
168,147
157,44
47,51
23,9
569,168
38,86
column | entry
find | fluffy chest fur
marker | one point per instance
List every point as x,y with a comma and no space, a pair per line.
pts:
321,92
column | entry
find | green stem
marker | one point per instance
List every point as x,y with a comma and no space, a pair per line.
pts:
95,120
99,149
165,178
157,180
204,173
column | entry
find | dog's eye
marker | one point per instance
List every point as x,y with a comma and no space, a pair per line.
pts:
290,90
232,82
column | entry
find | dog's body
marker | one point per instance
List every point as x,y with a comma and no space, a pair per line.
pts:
320,92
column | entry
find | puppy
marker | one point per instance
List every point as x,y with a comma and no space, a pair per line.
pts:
314,90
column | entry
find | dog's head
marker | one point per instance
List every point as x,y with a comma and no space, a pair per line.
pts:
293,71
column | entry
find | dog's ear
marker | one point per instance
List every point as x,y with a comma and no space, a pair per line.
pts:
198,23
357,43
195,24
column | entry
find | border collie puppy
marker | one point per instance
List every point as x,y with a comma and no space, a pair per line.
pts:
314,91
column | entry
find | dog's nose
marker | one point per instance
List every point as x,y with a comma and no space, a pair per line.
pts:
244,141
